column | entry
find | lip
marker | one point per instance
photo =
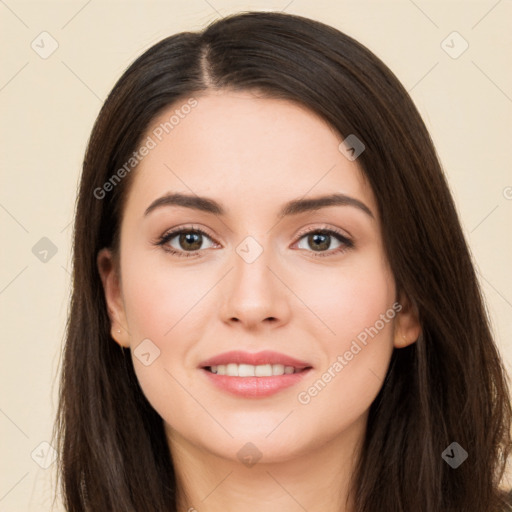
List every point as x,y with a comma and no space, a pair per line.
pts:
254,387
255,359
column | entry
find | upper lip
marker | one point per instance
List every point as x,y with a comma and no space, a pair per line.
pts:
255,359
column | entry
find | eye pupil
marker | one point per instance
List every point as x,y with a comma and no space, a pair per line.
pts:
191,238
317,237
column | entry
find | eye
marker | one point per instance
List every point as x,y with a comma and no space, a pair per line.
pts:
188,240
320,240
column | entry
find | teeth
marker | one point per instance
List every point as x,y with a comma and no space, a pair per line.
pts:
278,369
264,370
248,370
231,369
240,370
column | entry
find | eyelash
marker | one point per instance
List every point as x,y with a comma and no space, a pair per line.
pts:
164,239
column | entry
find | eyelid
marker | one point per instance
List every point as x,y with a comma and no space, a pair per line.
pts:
326,227
304,231
190,227
346,239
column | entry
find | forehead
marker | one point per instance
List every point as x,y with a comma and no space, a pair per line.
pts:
249,152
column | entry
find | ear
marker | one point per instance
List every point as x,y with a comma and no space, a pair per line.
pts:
407,324
110,277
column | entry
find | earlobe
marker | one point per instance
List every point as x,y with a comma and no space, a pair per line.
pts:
113,297
405,341
407,325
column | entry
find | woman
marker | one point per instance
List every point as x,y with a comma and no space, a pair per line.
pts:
322,344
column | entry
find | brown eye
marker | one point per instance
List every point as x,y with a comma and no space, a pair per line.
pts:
184,242
190,240
320,241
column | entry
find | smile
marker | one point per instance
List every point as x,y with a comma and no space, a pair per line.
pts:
249,370
254,375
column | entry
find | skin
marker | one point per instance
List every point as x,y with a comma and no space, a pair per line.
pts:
252,155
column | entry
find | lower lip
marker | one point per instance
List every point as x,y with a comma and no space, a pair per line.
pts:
255,387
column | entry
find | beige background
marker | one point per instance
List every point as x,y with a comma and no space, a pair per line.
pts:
48,107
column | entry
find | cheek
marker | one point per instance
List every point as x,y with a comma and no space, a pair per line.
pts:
359,309
349,299
157,298
159,306
164,305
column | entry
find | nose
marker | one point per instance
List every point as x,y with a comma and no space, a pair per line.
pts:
254,293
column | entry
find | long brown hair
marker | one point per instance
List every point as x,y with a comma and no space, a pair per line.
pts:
449,386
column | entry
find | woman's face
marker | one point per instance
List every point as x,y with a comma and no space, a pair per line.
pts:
254,281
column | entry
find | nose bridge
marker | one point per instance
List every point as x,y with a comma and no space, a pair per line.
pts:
252,260
254,293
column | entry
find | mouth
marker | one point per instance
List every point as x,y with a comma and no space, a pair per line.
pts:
250,375
249,370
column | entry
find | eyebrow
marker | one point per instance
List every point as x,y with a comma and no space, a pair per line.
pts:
294,207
